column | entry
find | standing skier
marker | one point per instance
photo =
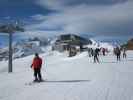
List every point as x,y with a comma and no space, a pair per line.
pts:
36,66
118,53
92,52
103,51
89,52
96,54
124,53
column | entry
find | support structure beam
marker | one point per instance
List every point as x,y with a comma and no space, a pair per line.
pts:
10,29
10,53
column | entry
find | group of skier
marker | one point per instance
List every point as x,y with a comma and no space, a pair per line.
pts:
96,52
118,51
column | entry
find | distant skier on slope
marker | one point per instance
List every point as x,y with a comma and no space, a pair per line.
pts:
89,52
103,51
118,53
92,52
36,66
124,53
96,54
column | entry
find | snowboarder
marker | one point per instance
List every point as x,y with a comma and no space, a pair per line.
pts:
36,66
96,54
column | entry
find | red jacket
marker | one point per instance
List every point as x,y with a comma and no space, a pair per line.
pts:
37,63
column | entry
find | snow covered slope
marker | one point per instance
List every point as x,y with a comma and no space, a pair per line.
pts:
75,78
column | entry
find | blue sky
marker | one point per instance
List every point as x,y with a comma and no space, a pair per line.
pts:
102,19
20,8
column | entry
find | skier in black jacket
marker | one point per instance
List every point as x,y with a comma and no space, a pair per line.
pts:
96,54
118,53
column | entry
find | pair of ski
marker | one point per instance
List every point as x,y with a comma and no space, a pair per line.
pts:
34,82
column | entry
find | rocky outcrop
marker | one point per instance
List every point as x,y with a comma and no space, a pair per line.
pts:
130,44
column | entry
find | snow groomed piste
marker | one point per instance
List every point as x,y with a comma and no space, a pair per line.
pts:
75,78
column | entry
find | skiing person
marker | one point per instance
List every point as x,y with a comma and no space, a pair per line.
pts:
92,52
118,53
36,66
89,52
103,51
96,54
124,53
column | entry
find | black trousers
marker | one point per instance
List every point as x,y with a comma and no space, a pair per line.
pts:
118,57
124,55
96,59
37,74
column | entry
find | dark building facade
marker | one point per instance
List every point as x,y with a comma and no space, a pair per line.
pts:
70,42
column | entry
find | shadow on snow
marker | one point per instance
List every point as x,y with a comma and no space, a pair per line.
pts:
66,81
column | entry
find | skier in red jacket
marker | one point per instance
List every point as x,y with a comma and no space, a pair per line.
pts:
36,66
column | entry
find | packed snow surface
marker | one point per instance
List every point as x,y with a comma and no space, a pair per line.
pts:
75,78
